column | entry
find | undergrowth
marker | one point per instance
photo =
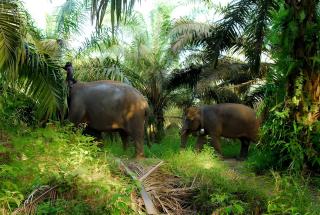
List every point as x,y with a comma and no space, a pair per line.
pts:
87,181
226,191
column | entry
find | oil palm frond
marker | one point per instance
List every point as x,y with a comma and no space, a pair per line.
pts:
98,41
118,8
217,95
187,32
41,79
255,32
70,18
186,77
12,31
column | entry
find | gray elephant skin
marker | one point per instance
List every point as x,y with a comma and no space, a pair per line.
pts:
227,120
110,106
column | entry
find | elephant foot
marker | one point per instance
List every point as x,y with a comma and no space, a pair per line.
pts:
219,156
140,157
100,145
240,158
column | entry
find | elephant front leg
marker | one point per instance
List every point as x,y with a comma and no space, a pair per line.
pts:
202,139
215,141
138,141
93,132
184,138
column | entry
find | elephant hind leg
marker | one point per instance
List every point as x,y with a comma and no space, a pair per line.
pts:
138,139
245,142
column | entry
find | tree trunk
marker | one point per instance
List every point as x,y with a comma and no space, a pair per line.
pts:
303,83
303,86
159,124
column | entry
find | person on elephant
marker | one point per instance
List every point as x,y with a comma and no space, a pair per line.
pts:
70,80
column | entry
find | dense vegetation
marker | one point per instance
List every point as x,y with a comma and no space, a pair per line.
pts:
47,166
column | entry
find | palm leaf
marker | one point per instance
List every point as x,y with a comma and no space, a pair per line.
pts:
70,18
41,79
118,7
255,32
187,77
256,95
217,95
11,33
188,32
98,41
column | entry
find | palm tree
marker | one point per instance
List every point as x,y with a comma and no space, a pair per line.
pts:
228,82
293,93
243,27
26,63
241,30
149,54
139,56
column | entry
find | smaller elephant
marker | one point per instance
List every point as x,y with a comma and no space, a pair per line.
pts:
227,120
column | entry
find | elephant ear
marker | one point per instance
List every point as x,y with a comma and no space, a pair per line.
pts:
193,113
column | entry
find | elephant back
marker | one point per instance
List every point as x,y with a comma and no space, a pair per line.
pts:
106,105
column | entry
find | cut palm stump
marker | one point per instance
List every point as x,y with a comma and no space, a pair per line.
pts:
161,192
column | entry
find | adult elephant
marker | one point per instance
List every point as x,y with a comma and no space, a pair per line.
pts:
109,106
227,120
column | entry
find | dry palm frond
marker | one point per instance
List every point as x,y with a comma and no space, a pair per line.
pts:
169,194
37,196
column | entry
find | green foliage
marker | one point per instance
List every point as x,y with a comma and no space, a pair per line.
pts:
261,160
118,9
29,63
287,131
283,137
70,17
292,197
230,148
17,109
219,189
226,192
88,181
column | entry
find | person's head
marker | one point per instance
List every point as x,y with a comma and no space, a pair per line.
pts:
68,66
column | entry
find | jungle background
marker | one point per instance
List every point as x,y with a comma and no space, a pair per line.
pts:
262,53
